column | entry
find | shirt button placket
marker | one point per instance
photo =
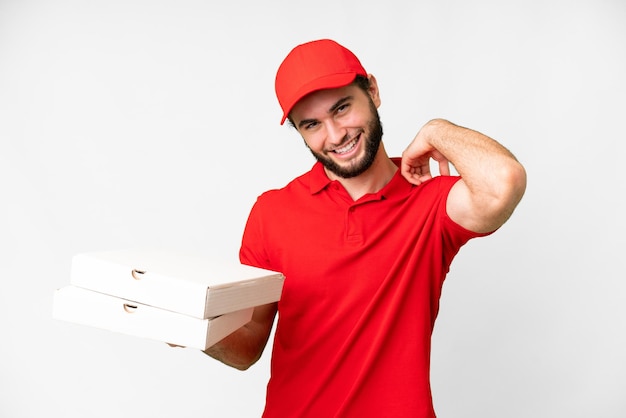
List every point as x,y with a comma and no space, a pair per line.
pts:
353,231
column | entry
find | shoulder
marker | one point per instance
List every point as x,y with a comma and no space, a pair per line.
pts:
293,192
443,183
434,197
295,186
431,196
436,194
437,187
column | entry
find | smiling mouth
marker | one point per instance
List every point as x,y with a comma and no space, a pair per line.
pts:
347,147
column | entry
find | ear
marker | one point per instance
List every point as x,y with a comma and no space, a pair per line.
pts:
373,90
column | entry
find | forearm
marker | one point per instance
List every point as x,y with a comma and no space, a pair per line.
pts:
485,165
244,347
235,350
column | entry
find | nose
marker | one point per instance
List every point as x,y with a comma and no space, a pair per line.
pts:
336,134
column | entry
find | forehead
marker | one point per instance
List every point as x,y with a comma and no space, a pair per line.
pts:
321,102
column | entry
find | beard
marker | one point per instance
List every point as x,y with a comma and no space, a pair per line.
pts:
371,142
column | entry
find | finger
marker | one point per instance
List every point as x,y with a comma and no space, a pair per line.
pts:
410,175
407,169
444,167
175,345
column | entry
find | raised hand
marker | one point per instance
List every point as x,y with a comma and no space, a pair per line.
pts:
415,166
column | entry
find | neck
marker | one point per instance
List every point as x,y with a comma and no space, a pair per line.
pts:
372,180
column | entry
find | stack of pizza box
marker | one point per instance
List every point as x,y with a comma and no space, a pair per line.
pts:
180,298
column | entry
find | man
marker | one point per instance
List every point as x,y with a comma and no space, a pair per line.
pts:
365,242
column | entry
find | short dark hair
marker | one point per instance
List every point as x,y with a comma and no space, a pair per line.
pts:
360,81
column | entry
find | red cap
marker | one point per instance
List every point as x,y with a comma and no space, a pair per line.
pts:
316,65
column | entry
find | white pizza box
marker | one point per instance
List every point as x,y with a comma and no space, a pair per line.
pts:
186,283
86,307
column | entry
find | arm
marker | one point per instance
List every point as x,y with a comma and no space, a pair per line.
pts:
492,180
244,347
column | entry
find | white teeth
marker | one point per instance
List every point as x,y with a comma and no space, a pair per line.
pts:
347,148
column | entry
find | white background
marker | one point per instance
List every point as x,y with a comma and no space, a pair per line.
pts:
154,123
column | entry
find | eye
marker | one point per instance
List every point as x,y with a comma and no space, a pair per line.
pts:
310,125
342,108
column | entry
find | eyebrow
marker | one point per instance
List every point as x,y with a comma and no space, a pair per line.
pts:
334,107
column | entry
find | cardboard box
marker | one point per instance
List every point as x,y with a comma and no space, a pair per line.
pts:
185,283
86,307
174,297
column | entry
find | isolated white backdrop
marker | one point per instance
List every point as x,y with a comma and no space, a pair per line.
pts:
134,123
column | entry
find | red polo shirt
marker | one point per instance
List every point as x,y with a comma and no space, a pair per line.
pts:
363,280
